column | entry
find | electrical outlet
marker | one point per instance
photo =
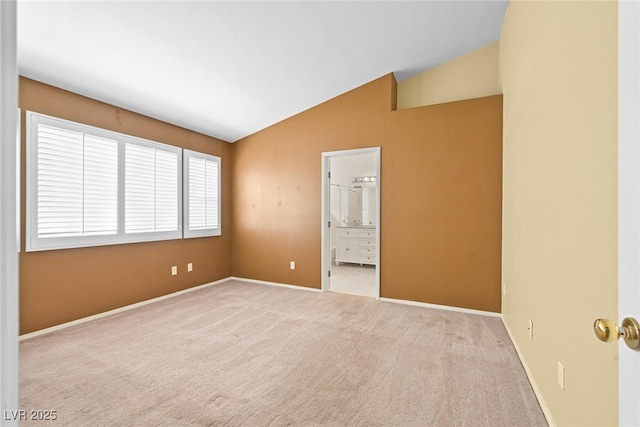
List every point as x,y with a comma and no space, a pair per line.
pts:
560,375
174,270
190,267
530,329
292,265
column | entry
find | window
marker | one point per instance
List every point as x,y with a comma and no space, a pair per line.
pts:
202,194
88,186
151,191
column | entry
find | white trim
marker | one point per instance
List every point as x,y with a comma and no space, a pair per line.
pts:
189,233
442,307
120,310
281,285
534,386
325,232
628,204
325,214
9,272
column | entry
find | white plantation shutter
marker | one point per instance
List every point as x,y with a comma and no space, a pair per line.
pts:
212,194
100,185
88,186
139,172
202,193
77,183
196,194
167,201
59,182
151,189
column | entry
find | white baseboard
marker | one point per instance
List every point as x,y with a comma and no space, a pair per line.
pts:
442,307
118,310
281,285
536,390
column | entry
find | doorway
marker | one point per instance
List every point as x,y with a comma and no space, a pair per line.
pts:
351,221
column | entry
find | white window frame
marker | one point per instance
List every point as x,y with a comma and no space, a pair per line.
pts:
34,243
133,237
191,232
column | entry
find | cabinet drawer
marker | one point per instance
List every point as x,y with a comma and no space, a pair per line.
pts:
347,232
368,258
367,252
368,242
371,234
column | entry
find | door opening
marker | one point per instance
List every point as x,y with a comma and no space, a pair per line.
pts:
351,221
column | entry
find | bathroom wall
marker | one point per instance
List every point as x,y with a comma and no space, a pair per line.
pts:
343,168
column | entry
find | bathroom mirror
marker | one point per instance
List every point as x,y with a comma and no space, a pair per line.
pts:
358,205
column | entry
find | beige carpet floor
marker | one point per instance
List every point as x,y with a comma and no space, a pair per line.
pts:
254,355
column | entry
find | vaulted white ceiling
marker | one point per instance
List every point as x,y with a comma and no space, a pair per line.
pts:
229,69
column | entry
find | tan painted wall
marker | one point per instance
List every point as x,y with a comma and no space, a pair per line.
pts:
558,62
442,168
64,285
473,75
440,195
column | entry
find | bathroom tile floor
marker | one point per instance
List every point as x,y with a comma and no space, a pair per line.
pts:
353,279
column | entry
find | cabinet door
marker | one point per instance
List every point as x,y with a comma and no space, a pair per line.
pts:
343,249
353,248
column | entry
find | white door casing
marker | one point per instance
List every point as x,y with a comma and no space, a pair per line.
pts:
326,214
629,203
8,217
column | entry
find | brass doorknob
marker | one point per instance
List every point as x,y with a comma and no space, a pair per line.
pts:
608,331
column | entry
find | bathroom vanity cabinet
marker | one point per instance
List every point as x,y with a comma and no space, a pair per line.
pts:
356,245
